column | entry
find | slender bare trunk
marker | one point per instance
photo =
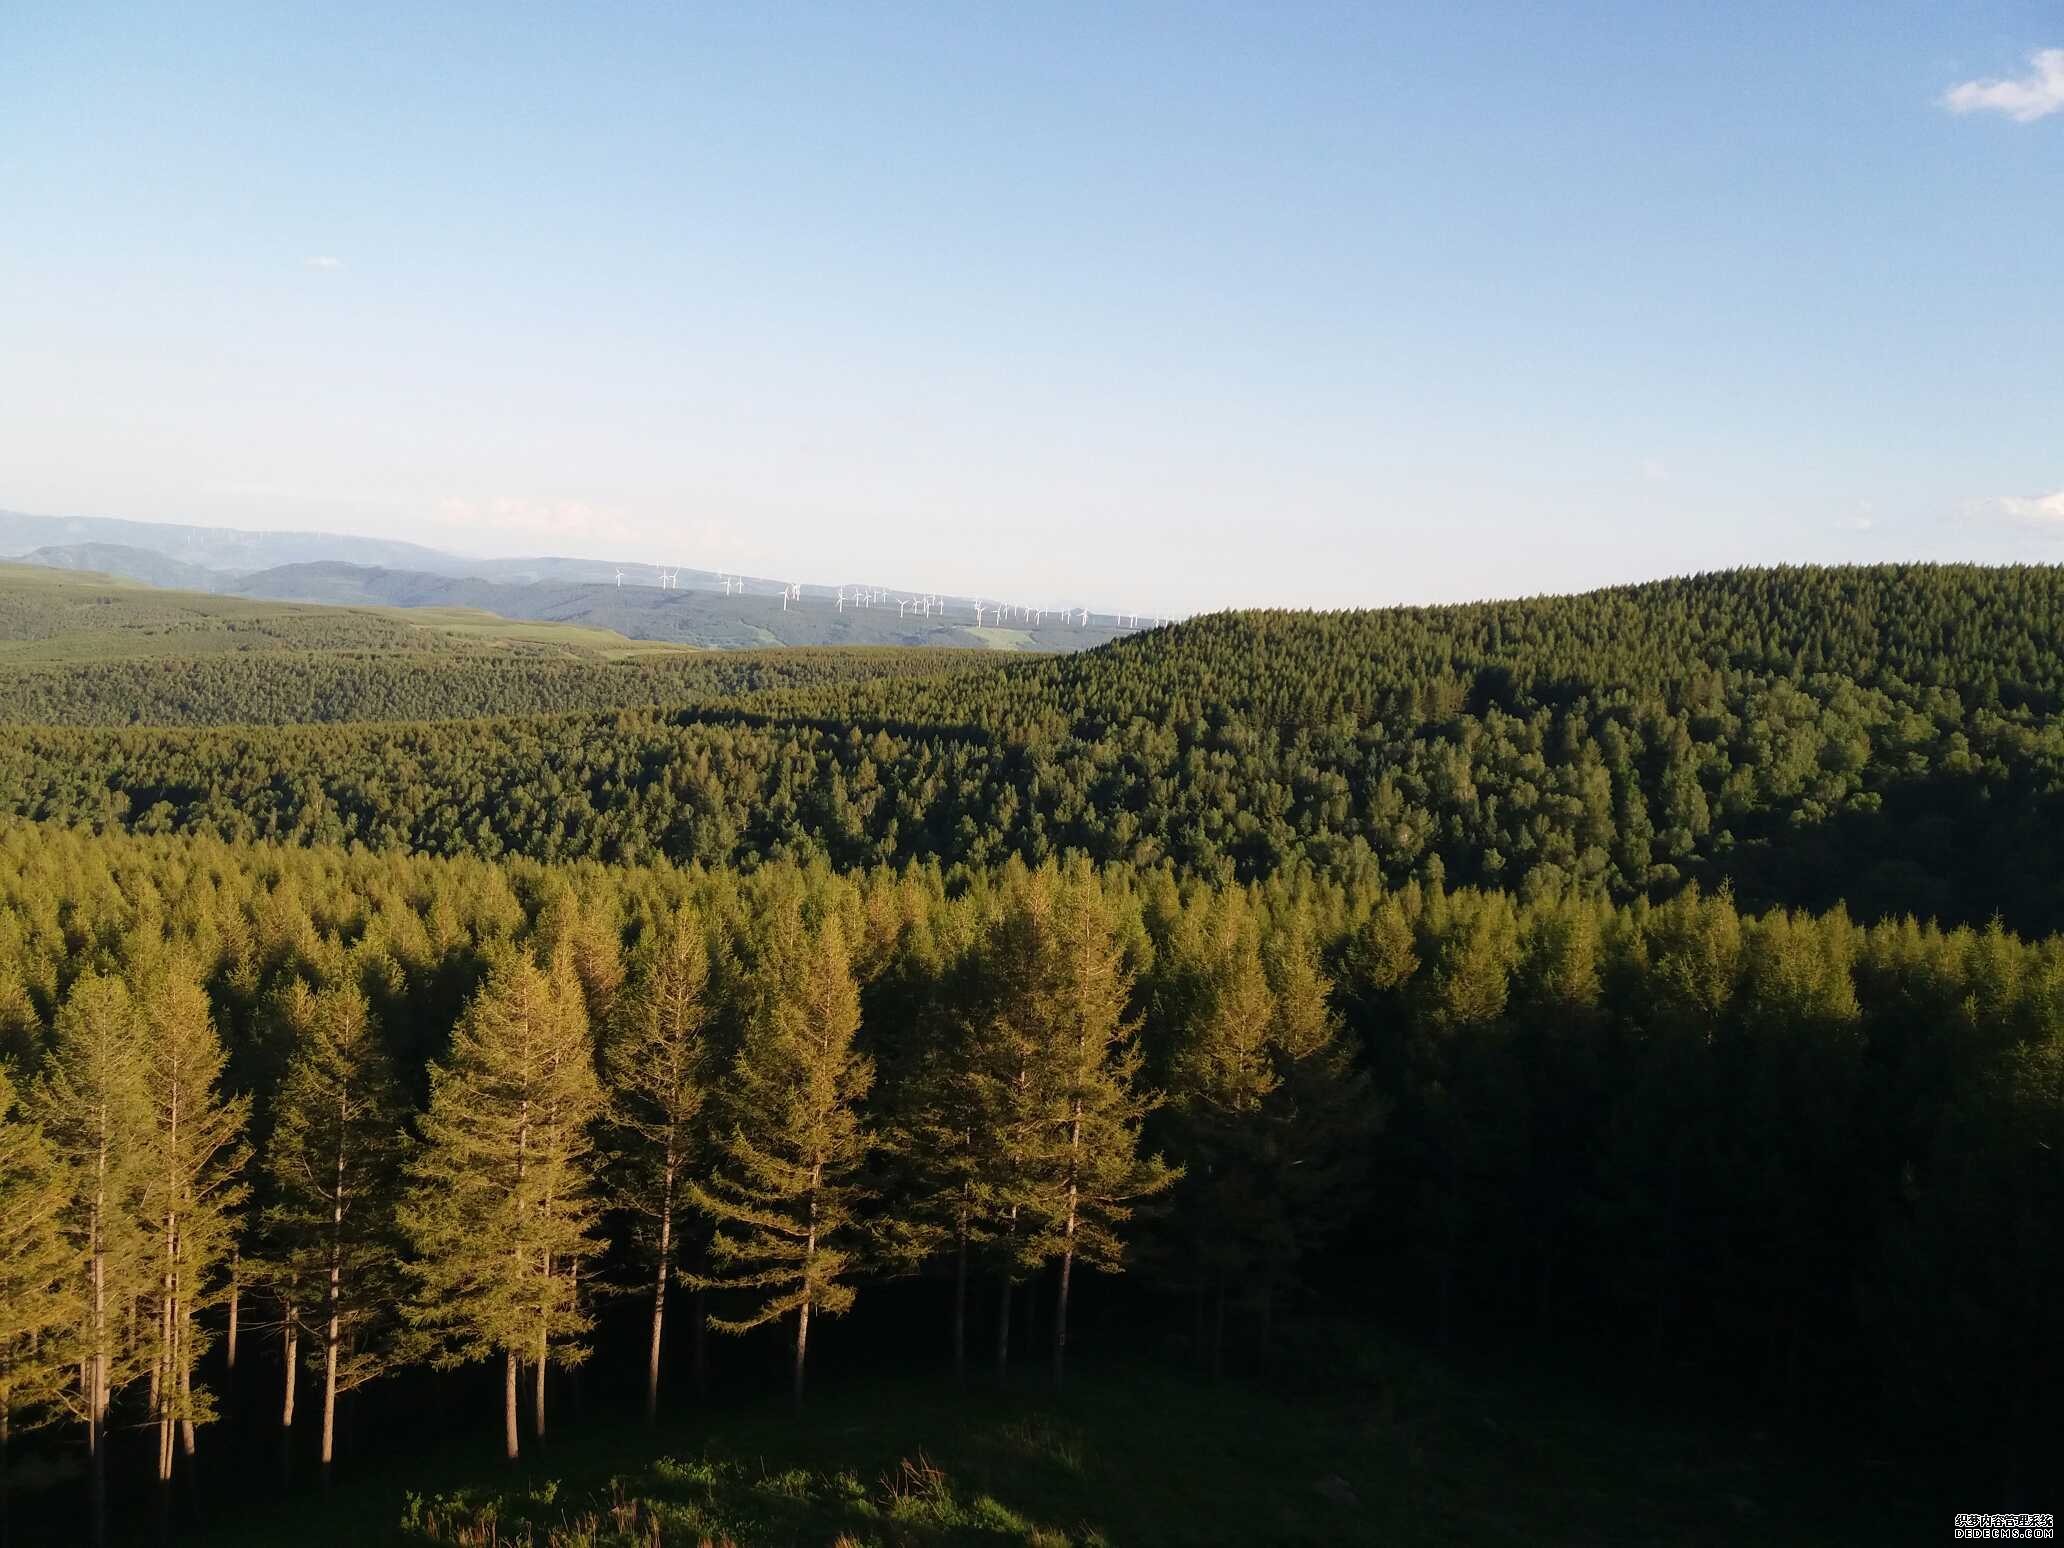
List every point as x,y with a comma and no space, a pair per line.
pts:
1268,1319
168,1332
1060,1328
290,1355
1218,1331
187,1444
699,1364
659,1290
802,1330
544,1348
960,1268
1003,1306
509,1404
97,1361
331,1342
802,1344
333,1322
236,1293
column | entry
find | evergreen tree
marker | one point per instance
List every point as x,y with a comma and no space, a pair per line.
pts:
1089,1064
657,1066
787,1178
334,1161
1008,1088
191,1193
37,1285
95,1112
1220,1074
499,1209
935,1152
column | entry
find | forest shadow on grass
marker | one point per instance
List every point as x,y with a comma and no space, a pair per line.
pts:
1399,1450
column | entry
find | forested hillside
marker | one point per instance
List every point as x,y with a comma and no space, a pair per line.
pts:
1885,737
1667,976
439,1113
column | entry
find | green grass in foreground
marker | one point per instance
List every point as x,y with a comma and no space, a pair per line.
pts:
1124,1458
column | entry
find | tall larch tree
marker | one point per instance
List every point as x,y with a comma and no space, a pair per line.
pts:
1096,1100
192,1189
656,1066
1009,1075
95,1111
1221,1074
37,1286
1318,1118
934,1149
787,1179
334,1162
500,1206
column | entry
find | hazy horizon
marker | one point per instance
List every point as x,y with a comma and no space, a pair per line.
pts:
1164,309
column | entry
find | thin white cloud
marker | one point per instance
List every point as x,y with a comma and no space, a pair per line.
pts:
1655,470
2035,510
323,263
2023,98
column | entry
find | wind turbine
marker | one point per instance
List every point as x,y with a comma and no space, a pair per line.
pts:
619,580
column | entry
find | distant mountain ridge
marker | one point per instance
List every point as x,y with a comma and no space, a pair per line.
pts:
215,548
694,607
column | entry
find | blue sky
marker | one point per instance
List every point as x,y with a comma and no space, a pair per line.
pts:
1164,307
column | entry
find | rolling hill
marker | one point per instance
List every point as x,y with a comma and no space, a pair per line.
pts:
699,607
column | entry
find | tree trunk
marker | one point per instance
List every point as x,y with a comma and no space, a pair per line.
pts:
96,1367
537,1396
802,1330
1268,1319
1218,1331
1060,1327
659,1289
188,1446
333,1322
236,1291
802,1341
699,1363
168,1326
509,1403
960,1266
187,1443
1003,1306
290,1353
329,1399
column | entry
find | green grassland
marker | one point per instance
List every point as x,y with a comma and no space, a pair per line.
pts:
1005,639
52,617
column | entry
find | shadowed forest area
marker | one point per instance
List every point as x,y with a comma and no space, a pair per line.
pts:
1587,1069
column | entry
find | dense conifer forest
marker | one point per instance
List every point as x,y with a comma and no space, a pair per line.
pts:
1665,978
1887,738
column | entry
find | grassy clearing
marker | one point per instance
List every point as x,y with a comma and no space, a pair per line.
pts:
491,629
1145,1457
1005,639
53,617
